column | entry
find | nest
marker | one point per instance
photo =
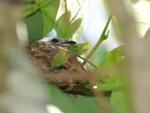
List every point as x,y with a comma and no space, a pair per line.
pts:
70,77
42,53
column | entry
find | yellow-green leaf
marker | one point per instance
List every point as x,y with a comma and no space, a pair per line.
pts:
75,25
62,26
49,12
59,59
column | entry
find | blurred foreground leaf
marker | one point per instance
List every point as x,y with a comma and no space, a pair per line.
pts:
119,102
34,26
134,1
74,104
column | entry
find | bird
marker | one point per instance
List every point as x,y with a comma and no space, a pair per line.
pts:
44,51
61,42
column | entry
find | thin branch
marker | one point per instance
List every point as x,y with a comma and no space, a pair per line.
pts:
81,58
59,47
76,13
101,39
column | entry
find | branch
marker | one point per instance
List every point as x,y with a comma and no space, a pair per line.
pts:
137,53
16,72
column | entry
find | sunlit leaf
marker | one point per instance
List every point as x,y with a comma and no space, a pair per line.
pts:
79,48
62,26
65,28
49,13
75,25
59,59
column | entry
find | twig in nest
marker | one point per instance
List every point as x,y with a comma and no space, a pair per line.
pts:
79,57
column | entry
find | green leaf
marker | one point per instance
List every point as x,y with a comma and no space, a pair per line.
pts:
34,26
65,28
113,83
49,13
40,18
113,59
75,25
103,37
111,64
28,1
79,48
134,1
30,8
62,26
119,102
68,104
59,59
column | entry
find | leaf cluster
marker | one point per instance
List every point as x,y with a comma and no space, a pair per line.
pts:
40,17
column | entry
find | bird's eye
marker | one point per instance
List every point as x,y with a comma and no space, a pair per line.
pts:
54,40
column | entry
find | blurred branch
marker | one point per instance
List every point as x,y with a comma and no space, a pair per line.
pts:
16,73
137,52
147,35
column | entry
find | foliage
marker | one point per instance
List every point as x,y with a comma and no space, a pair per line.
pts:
134,1
39,26
65,28
79,49
102,38
113,59
110,64
114,82
73,105
49,14
119,102
59,59
40,17
34,26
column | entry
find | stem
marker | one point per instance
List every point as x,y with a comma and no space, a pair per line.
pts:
76,13
66,8
101,39
79,57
